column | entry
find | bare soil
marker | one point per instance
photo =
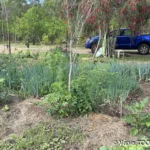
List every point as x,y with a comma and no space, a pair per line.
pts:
99,129
39,48
20,117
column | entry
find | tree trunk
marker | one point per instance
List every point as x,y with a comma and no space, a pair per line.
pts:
9,46
70,69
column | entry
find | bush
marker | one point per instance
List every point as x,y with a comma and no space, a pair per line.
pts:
98,85
60,100
58,64
45,39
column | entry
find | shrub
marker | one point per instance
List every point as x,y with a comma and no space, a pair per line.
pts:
94,85
60,100
45,39
58,64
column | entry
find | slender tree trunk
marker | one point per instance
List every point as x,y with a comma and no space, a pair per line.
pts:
70,69
9,45
15,36
8,33
2,15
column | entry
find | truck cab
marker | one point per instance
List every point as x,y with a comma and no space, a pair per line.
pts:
125,40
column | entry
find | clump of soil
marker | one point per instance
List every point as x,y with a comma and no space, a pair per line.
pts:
20,117
102,130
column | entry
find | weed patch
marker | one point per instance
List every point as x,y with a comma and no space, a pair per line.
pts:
45,137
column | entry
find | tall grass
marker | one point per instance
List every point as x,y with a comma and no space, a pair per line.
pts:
140,71
36,79
100,83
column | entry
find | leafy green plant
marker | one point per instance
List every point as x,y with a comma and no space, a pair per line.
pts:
58,64
98,86
60,100
45,39
139,120
4,98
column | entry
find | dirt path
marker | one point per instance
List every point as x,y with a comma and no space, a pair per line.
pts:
39,48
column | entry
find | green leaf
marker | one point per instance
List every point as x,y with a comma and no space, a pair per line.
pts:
128,118
147,124
104,148
5,108
134,131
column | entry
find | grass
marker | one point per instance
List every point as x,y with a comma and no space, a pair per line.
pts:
134,56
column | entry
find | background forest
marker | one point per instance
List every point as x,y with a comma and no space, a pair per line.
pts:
46,22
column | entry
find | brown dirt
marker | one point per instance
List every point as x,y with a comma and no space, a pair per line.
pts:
103,130
99,129
21,116
39,48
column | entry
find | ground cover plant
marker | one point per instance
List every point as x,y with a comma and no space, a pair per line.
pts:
45,137
138,119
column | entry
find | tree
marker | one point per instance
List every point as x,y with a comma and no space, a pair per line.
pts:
75,13
136,13
30,24
11,9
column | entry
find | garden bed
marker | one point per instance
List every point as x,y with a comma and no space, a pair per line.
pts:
98,129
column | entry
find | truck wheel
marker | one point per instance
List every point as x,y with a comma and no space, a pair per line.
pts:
143,49
93,48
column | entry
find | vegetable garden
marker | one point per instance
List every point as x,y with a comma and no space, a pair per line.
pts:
95,88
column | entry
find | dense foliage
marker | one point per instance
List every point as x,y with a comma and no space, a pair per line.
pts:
47,21
92,85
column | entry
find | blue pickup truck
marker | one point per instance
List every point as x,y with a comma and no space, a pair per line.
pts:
124,40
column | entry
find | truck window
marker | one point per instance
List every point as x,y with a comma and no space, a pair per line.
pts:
113,33
126,33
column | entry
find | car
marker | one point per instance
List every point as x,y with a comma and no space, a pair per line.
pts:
124,40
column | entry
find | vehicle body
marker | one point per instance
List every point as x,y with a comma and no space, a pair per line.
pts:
124,40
